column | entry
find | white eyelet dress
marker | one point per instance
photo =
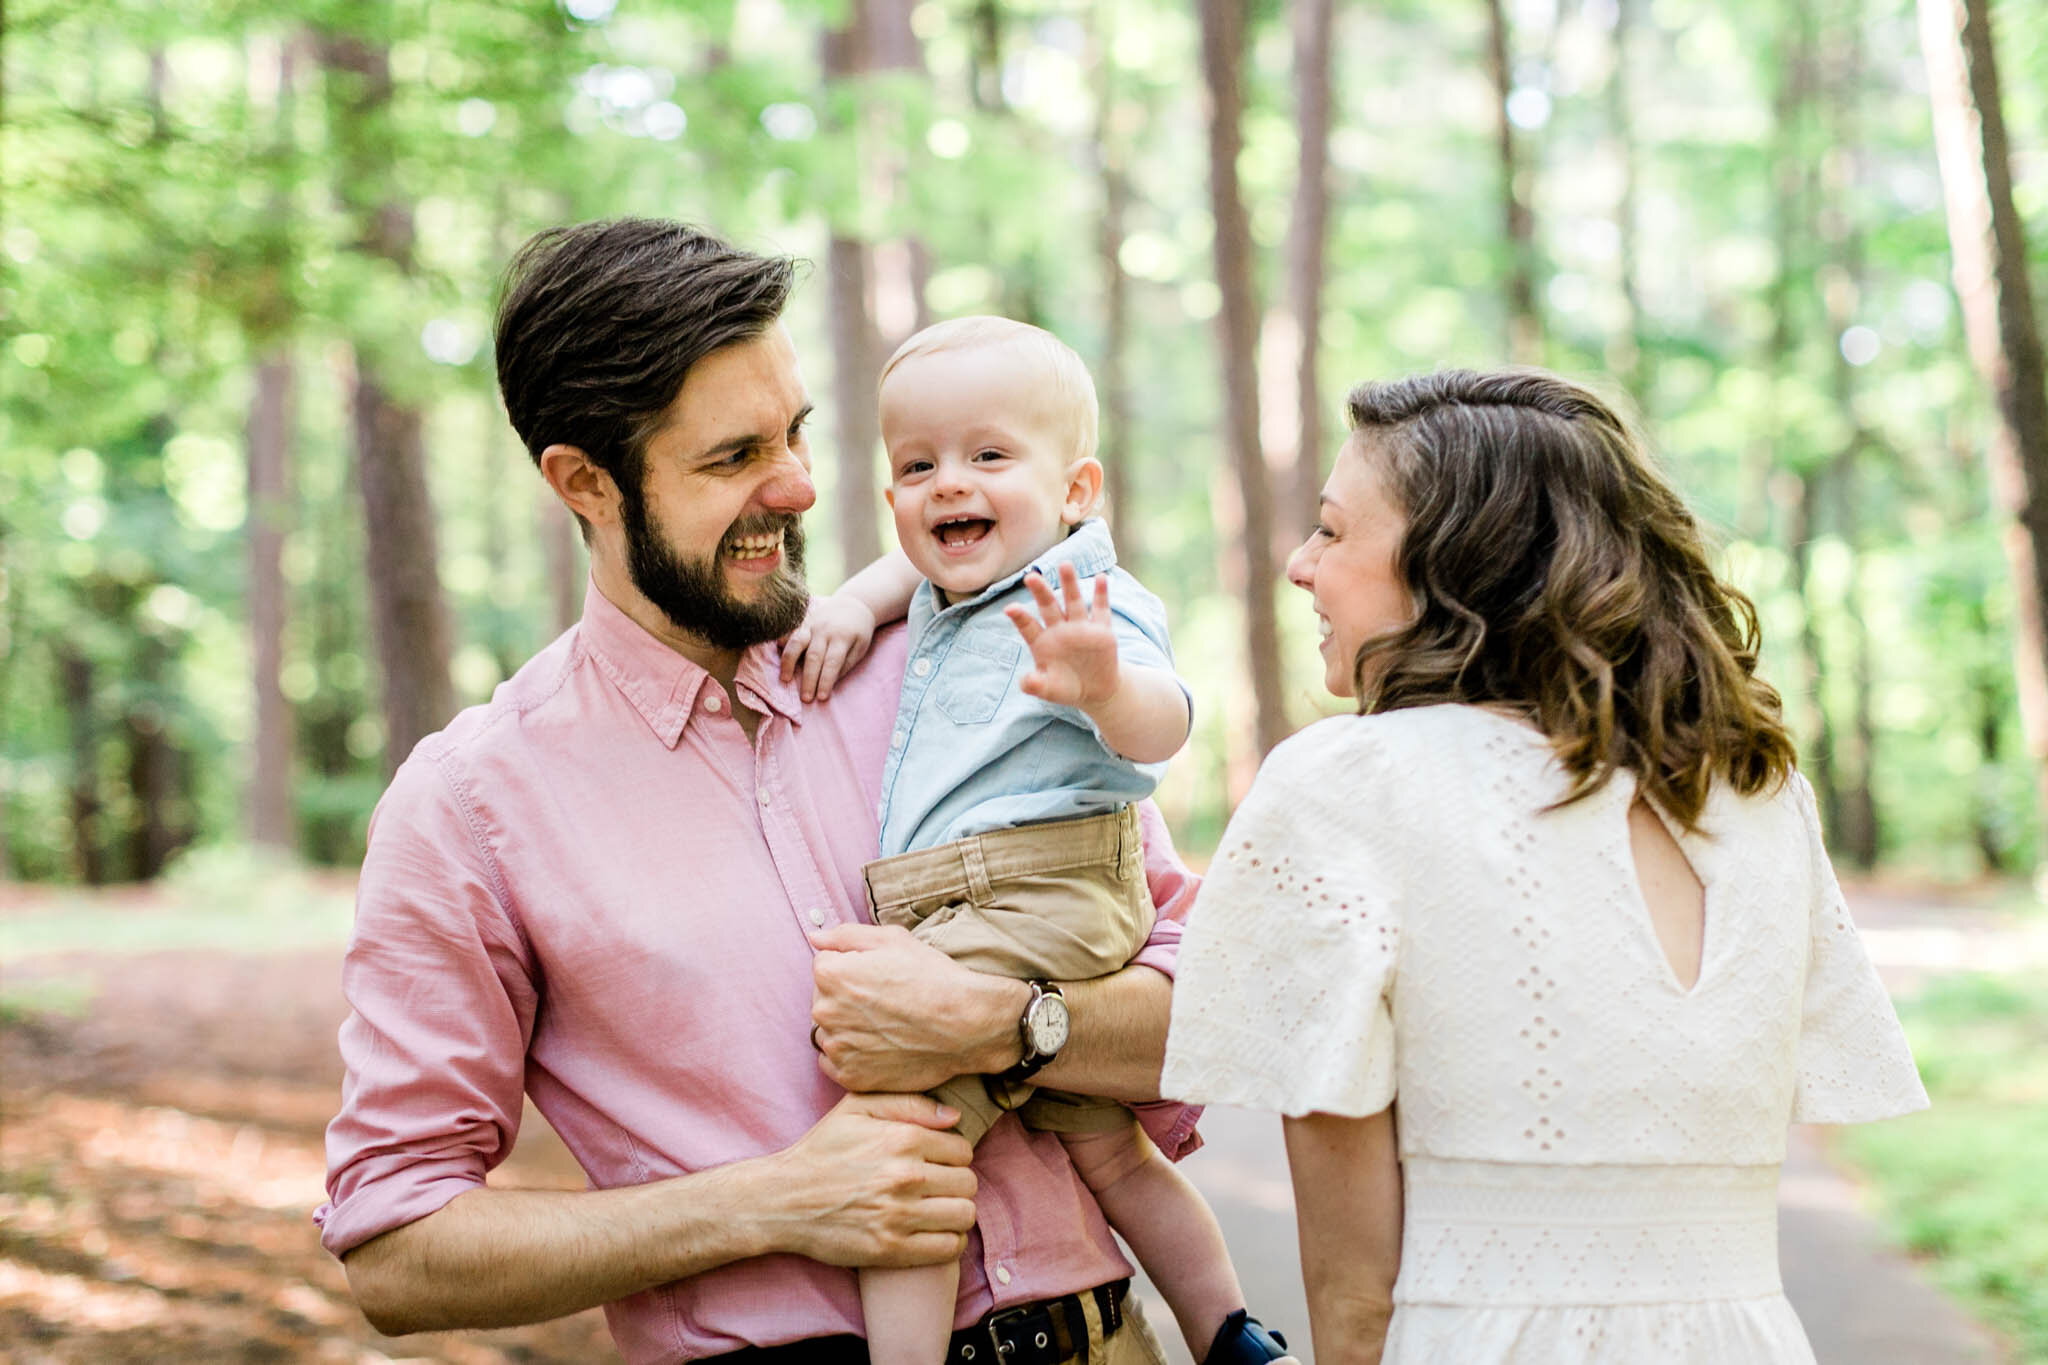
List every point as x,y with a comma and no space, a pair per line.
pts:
1589,1152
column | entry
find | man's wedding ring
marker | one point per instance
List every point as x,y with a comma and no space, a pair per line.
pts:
814,1039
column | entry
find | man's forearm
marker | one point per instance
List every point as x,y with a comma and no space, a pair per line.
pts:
1118,1041
500,1258
878,1180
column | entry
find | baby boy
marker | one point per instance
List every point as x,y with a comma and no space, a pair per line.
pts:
1009,839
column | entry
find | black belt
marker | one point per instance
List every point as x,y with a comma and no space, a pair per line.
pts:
1042,1333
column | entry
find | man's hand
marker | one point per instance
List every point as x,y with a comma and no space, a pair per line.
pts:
834,636
1073,646
896,1014
878,1181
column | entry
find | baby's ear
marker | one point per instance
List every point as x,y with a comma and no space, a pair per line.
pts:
1084,490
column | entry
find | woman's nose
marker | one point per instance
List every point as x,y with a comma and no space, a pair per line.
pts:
1301,566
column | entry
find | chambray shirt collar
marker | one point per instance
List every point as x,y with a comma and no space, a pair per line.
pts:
1089,549
661,684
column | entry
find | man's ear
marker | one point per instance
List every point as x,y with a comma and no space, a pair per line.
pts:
1084,490
584,488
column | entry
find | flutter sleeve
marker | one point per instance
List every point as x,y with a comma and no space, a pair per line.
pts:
1854,1065
1288,960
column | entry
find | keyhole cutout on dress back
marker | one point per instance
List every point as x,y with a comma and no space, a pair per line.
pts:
1676,900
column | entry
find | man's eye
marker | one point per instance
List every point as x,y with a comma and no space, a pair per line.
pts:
1318,530
796,430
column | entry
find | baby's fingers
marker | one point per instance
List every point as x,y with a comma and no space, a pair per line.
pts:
793,646
1041,593
1028,626
1070,589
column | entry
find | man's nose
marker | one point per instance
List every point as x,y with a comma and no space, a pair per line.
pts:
789,487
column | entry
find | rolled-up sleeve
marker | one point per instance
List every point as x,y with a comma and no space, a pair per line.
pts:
1169,1123
441,1000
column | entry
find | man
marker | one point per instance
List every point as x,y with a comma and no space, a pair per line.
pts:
617,886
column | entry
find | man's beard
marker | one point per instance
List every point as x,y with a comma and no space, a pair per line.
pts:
692,592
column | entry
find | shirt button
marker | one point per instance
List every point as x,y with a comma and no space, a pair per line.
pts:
818,916
921,667
762,796
714,703
1002,1274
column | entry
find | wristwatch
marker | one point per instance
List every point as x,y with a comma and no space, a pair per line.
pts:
1044,1026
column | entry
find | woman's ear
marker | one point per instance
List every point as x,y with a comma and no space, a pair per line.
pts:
1084,490
584,488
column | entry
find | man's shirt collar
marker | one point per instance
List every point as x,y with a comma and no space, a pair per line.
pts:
662,685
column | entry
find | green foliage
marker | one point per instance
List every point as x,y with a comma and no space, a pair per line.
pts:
1962,1182
180,208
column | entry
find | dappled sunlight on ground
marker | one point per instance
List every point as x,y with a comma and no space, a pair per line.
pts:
160,1158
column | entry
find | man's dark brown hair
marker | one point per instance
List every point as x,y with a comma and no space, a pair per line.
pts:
1556,573
599,323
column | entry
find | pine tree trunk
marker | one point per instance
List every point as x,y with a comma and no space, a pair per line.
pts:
408,616
1307,249
75,683
1120,488
855,342
1525,322
1858,832
1988,242
1819,764
155,766
271,817
1255,566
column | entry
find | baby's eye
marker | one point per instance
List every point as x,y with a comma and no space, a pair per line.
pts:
910,467
985,456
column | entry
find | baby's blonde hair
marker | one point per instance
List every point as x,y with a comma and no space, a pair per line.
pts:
1066,376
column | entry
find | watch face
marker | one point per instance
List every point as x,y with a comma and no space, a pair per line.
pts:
1049,1025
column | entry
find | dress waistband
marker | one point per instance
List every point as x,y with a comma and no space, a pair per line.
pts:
1502,1233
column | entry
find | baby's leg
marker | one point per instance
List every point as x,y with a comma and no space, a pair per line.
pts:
909,1311
1168,1225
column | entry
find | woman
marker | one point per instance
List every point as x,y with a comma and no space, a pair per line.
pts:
1557,885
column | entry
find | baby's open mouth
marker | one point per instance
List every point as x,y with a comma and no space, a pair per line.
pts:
960,532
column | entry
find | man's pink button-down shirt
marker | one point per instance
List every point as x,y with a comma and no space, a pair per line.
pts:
596,891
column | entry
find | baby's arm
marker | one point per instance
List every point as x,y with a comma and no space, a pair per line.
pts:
1141,711
838,628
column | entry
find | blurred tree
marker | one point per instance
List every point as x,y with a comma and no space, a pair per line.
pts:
407,611
1525,322
269,319
857,353
1308,237
1237,335
1988,239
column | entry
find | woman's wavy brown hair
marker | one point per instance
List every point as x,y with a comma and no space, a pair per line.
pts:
1555,572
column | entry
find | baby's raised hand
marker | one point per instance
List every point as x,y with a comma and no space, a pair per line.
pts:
1072,644
834,636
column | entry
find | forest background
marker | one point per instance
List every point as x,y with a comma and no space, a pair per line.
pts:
263,523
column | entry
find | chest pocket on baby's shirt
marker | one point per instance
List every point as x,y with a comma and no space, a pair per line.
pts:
983,672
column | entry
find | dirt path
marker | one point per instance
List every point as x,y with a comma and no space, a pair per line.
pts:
160,1156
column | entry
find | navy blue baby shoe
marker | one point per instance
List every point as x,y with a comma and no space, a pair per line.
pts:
1244,1340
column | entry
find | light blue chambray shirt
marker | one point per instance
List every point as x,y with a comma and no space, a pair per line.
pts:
971,751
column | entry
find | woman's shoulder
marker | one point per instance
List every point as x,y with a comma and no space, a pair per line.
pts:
1349,758
1412,732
